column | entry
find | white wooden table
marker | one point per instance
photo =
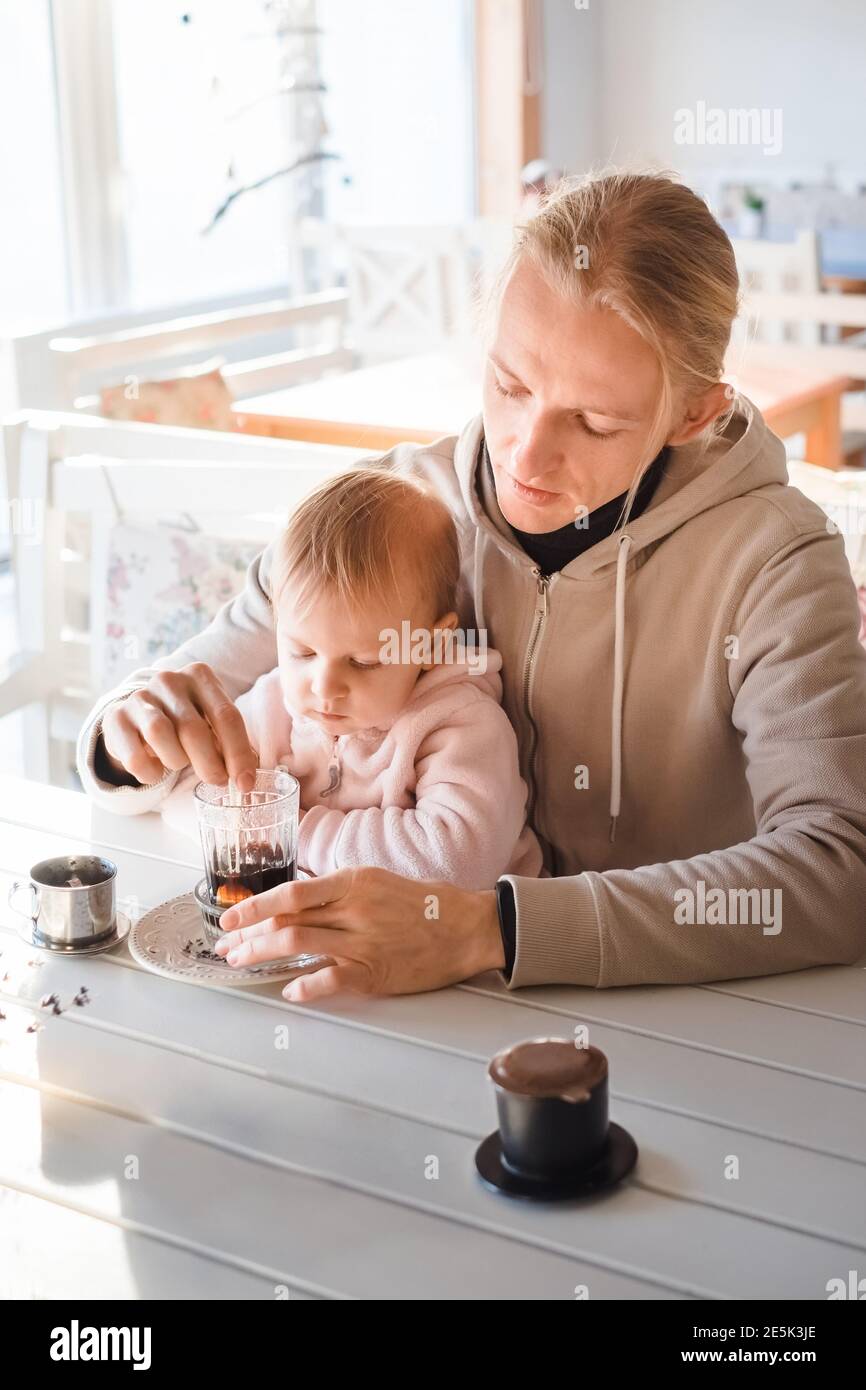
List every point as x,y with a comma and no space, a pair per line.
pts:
306,1168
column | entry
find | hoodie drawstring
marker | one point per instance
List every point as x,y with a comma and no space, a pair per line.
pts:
618,683
478,582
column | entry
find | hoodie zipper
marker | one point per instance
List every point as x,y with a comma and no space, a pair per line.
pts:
542,608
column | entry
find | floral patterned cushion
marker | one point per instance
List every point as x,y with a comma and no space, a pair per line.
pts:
199,399
165,583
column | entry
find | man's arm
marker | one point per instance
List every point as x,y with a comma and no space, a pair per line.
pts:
796,890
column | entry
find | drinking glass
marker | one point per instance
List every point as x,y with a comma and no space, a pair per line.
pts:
248,839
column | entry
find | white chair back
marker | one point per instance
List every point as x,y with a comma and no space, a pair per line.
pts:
407,288
51,369
73,479
843,497
411,289
780,268
819,316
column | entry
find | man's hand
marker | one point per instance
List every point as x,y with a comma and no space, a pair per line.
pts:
180,719
384,934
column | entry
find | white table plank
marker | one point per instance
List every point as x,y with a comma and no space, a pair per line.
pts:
289,1225
331,1147
67,813
833,991
714,1022
48,1251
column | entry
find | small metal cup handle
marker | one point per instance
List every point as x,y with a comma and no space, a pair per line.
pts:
34,900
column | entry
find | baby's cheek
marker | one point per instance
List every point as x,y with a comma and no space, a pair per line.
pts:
397,684
288,681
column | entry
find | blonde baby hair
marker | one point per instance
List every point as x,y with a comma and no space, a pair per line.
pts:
369,534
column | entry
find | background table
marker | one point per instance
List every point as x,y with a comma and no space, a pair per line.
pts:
425,397
306,1168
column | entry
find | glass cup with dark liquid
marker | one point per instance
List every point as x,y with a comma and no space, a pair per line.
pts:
249,842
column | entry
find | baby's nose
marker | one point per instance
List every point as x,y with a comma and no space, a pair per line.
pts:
328,683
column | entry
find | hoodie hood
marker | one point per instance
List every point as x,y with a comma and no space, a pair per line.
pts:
744,458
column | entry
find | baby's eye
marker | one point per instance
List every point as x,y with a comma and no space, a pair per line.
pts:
299,656
365,665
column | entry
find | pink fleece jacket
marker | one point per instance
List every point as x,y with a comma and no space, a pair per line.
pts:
436,795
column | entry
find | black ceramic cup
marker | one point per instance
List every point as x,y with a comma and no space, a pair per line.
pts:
552,1099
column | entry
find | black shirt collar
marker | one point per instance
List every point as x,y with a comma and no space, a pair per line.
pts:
553,550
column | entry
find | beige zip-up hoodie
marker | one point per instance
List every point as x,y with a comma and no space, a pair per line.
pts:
689,699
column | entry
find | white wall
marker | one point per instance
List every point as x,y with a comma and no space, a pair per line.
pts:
572,93
613,90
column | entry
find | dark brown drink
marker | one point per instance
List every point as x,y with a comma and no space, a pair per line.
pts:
262,866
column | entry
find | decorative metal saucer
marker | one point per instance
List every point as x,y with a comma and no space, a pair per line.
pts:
170,940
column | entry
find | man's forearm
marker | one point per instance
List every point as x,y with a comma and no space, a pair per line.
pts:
790,899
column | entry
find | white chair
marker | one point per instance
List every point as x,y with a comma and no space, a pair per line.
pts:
70,478
780,268
54,370
407,288
813,313
843,497
411,289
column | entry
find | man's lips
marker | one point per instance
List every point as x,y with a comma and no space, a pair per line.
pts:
538,496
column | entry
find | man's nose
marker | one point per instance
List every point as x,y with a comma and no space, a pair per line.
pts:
535,452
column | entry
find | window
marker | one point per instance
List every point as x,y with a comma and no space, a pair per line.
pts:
400,109
32,259
134,123
199,114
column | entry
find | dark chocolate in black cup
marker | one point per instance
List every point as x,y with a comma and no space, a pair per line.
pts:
552,1099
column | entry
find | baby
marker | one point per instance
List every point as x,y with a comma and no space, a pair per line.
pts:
391,724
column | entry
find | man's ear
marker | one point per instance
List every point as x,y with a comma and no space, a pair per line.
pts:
450,620
702,410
